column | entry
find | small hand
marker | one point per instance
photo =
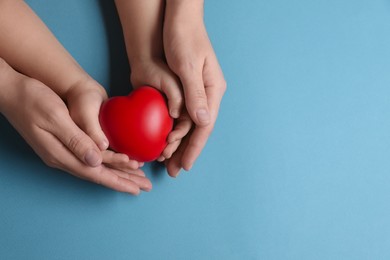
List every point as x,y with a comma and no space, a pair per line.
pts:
84,101
44,122
157,74
121,162
182,127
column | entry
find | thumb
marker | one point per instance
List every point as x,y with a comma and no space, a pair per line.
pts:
88,121
195,98
79,143
172,89
87,118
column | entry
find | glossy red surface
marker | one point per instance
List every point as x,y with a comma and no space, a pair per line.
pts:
138,124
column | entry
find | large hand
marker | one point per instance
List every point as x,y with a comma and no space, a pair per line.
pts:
190,55
44,122
156,73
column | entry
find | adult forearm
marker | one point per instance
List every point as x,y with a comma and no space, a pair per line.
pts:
29,47
142,28
184,10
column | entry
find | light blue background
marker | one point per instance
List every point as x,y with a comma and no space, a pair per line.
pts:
297,167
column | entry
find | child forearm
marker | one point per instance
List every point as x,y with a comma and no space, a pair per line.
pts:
142,28
29,47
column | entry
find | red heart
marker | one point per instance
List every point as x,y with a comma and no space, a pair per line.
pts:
138,124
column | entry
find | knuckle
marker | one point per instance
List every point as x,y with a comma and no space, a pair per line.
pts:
75,142
185,67
183,128
51,161
116,181
167,153
199,96
173,94
176,102
54,115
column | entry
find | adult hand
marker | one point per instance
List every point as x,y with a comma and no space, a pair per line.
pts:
44,122
190,55
84,100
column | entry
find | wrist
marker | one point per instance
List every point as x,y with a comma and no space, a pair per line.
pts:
184,10
86,84
9,81
142,60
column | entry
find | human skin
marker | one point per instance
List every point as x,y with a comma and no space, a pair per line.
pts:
43,120
142,23
28,46
183,44
190,56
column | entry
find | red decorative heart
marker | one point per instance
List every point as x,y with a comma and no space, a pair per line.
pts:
138,124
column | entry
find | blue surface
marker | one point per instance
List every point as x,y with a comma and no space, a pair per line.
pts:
297,167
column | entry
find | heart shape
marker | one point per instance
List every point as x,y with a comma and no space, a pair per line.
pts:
138,124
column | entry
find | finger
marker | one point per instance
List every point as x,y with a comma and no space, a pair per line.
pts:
138,172
196,143
125,170
215,89
88,120
60,157
182,128
174,164
195,95
172,89
120,160
142,182
200,135
170,149
80,144
119,167
111,179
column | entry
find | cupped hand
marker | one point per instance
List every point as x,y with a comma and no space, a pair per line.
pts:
190,55
44,122
84,100
156,73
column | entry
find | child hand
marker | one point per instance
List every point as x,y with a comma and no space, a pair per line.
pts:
156,73
84,101
182,127
44,122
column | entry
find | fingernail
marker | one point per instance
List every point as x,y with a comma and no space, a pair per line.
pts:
103,145
187,167
171,139
92,158
177,174
134,192
174,113
203,116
